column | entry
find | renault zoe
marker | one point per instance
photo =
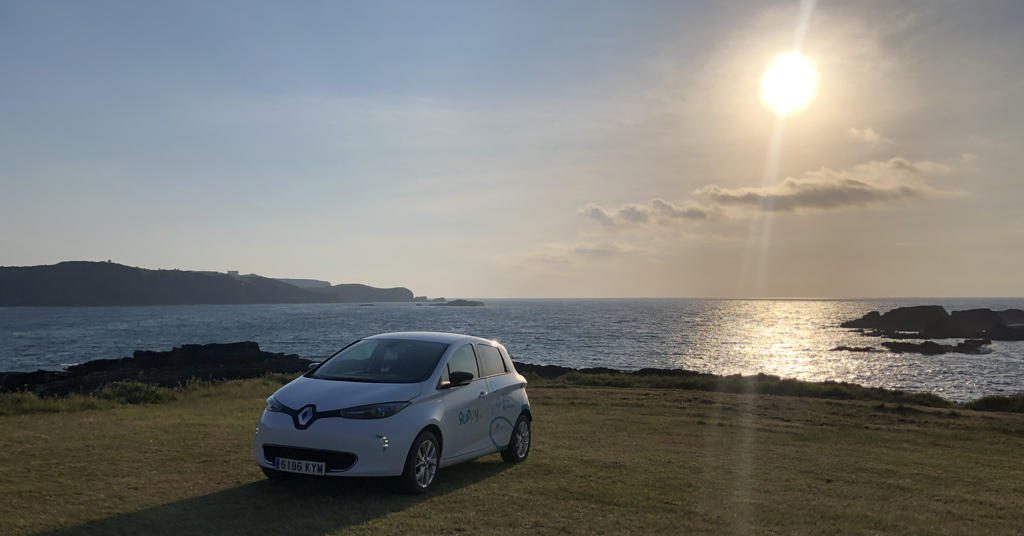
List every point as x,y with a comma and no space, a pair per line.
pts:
397,405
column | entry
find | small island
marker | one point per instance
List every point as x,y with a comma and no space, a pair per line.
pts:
461,303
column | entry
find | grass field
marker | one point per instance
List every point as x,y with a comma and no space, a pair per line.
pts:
605,460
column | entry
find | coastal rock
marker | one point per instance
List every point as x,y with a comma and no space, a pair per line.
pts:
666,372
976,319
868,321
1012,317
916,318
168,369
932,322
543,371
1005,333
555,371
844,348
970,346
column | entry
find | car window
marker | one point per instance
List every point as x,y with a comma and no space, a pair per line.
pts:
507,358
463,360
490,360
383,361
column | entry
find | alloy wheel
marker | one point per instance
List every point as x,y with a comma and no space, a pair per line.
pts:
523,444
426,463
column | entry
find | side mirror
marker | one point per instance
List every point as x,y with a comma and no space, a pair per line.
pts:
459,378
313,366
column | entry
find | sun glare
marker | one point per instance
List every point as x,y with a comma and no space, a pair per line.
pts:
789,84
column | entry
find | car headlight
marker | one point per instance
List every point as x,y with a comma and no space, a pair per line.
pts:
273,405
373,411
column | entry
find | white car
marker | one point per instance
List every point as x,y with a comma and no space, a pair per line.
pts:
400,405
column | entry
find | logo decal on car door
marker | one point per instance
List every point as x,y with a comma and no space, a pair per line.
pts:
468,416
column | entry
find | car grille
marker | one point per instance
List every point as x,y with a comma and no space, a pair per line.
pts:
336,461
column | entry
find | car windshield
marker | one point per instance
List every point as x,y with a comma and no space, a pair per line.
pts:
383,361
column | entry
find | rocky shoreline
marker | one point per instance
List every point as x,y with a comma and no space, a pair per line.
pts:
172,368
978,328
240,360
933,322
968,346
245,360
230,361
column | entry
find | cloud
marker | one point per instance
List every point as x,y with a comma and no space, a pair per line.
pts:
562,254
873,183
796,194
878,182
600,250
598,214
635,213
669,210
868,136
656,211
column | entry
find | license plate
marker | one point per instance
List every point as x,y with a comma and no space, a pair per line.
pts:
301,466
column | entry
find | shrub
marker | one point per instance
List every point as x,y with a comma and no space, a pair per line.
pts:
135,393
1010,403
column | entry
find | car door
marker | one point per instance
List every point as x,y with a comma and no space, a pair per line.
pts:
502,409
464,426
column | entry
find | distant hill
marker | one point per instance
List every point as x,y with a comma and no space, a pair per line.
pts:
305,283
107,283
354,292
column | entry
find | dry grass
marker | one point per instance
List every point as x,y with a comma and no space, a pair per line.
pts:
605,460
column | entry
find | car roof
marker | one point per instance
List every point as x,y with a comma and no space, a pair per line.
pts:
432,336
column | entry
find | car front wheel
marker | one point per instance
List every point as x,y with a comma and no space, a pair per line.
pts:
519,446
421,464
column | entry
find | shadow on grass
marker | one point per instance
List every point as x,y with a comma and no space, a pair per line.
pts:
299,507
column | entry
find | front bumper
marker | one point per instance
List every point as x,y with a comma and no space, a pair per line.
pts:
361,438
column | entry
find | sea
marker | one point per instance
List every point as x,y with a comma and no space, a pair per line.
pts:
788,338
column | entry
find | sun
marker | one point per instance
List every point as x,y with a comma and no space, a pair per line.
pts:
789,83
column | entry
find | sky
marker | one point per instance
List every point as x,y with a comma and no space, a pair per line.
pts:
521,149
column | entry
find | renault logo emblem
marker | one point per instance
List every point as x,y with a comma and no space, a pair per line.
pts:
305,416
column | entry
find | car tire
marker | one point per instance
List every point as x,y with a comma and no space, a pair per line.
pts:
274,474
422,464
518,448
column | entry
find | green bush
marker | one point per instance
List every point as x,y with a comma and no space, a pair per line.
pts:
1011,403
135,393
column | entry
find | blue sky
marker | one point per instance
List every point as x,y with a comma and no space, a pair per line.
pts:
516,149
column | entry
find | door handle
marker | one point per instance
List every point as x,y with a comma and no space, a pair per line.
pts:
481,395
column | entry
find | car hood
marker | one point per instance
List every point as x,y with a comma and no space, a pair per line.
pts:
332,394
